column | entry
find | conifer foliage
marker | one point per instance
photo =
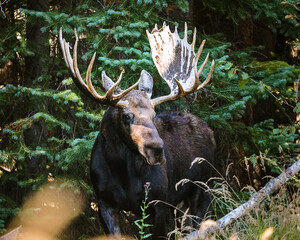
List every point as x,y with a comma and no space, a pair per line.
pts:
47,127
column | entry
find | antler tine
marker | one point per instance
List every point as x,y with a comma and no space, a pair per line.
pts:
75,65
110,91
199,51
176,62
88,77
194,39
62,44
122,94
70,64
68,60
171,96
181,91
202,67
185,32
176,30
109,98
208,76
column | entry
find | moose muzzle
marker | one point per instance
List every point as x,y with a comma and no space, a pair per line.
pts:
149,144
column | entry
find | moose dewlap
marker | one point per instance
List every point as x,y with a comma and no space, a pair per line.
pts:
136,146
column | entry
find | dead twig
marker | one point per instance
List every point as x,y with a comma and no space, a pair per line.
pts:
1,4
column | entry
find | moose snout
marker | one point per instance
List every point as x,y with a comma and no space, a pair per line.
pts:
149,143
154,152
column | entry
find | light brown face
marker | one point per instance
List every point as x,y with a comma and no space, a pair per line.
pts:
138,123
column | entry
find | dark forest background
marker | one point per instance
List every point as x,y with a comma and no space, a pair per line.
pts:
47,127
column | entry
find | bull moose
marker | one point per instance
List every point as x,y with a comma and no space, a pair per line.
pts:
135,146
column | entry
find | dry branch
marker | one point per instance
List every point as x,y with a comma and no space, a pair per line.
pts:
273,185
1,7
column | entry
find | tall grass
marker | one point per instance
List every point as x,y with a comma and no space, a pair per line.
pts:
276,217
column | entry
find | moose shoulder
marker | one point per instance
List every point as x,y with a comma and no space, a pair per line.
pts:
136,146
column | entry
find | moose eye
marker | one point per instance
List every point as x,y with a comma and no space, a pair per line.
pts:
128,117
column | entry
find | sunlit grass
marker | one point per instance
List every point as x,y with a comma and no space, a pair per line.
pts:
276,217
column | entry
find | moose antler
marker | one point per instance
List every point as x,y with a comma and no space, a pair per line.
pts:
109,98
176,62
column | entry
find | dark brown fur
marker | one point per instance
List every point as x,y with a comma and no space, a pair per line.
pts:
125,155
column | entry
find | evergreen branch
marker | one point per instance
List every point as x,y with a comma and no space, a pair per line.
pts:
273,95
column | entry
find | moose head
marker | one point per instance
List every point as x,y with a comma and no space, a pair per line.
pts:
176,62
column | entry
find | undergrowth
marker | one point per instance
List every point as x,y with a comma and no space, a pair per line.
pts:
277,215
281,211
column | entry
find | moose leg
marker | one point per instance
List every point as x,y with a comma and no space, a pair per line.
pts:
109,218
200,205
159,228
205,209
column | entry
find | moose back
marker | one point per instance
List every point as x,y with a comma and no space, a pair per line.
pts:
135,146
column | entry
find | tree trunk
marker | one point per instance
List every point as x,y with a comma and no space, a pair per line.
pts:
36,40
34,68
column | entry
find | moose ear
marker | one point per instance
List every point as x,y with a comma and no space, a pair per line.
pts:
146,83
107,83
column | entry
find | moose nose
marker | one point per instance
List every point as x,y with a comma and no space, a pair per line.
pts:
155,153
157,144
